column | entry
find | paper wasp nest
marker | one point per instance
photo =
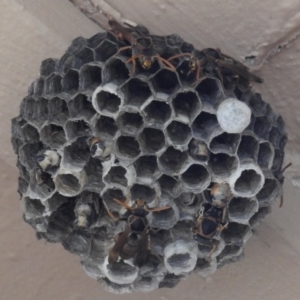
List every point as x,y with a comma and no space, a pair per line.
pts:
154,122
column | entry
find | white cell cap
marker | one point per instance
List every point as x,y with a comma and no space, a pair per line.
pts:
233,115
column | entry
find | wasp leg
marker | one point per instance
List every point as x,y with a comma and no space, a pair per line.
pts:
224,215
179,55
219,74
214,246
282,170
148,241
132,72
220,228
154,230
122,49
199,73
167,64
125,204
157,208
111,215
133,60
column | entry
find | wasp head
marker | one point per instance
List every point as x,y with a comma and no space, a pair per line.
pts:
193,63
140,203
146,57
221,194
100,149
47,159
82,211
146,61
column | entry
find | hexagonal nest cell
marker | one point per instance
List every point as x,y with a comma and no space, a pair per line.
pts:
100,133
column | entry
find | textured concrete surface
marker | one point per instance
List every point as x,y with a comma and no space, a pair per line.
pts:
32,30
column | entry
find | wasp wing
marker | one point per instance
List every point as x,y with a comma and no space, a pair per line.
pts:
237,67
142,251
114,252
122,32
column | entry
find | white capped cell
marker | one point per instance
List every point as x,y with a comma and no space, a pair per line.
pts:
233,115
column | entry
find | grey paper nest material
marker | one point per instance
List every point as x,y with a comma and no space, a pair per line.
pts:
154,122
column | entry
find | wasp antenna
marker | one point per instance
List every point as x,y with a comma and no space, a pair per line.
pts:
106,14
287,166
281,201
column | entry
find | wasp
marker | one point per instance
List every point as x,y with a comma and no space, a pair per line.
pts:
211,60
208,224
133,242
40,176
87,210
43,178
221,194
100,149
140,44
231,67
212,217
47,160
199,150
197,60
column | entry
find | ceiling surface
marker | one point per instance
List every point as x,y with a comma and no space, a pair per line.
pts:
264,34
